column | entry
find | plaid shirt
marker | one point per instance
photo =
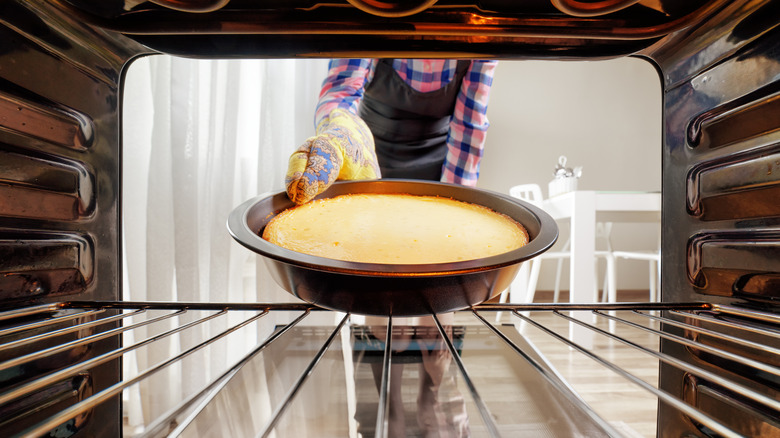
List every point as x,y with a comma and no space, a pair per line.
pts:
344,85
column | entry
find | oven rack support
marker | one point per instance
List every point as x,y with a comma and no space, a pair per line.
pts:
681,324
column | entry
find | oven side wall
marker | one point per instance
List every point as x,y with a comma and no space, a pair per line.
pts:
59,191
60,93
721,196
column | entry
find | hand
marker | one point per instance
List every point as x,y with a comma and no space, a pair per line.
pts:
342,150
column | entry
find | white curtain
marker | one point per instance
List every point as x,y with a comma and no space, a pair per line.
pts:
200,137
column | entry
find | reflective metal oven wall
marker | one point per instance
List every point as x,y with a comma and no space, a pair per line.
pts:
60,88
721,197
59,196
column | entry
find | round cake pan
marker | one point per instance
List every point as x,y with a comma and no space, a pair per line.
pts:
393,289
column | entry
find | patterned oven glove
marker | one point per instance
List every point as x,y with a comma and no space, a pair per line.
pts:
343,149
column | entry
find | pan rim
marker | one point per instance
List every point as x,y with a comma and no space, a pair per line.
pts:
545,235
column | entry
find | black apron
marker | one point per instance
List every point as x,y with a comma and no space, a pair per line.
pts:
410,127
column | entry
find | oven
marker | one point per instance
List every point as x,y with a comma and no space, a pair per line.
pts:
703,362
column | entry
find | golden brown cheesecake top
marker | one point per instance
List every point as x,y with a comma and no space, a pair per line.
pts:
395,229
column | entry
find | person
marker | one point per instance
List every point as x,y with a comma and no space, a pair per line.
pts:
440,408
395,118
401,118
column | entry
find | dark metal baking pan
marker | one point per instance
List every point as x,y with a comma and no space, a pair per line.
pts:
393,289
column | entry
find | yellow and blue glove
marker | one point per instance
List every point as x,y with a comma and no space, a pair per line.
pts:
343,149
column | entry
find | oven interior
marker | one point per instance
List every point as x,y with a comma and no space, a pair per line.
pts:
712,341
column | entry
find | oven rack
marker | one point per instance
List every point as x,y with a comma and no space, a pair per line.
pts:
683,325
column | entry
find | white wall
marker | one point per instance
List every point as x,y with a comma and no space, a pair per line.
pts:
602,115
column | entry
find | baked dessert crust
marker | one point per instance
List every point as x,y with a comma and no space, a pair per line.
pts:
395,229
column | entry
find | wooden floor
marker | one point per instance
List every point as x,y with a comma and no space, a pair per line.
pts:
626,406
629,409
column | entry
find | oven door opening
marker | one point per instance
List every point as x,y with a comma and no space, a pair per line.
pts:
272,111
126,309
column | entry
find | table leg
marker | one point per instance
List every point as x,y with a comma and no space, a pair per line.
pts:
582,275
583,245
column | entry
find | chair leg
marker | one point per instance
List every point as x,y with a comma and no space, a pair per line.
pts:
557,290
611,280
558,272
596,281
504,295
533,280
502,299
653,282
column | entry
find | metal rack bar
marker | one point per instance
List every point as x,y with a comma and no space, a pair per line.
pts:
82,366
673,401
189,305
50,321
111,391
299,383
382,409
698,345
190,408
78,342
732,325
734,386
748,313
209,392
29,311
568,307
554,380
481,406
43,336
714,334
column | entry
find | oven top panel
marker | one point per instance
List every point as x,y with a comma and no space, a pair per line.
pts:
355,28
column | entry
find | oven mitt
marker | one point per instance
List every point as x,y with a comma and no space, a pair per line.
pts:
343,149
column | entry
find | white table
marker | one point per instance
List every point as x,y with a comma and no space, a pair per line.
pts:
584,208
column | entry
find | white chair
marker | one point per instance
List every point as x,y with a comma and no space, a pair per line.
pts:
654,259
526,282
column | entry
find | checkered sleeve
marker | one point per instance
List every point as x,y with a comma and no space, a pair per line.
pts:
469,125
342,87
